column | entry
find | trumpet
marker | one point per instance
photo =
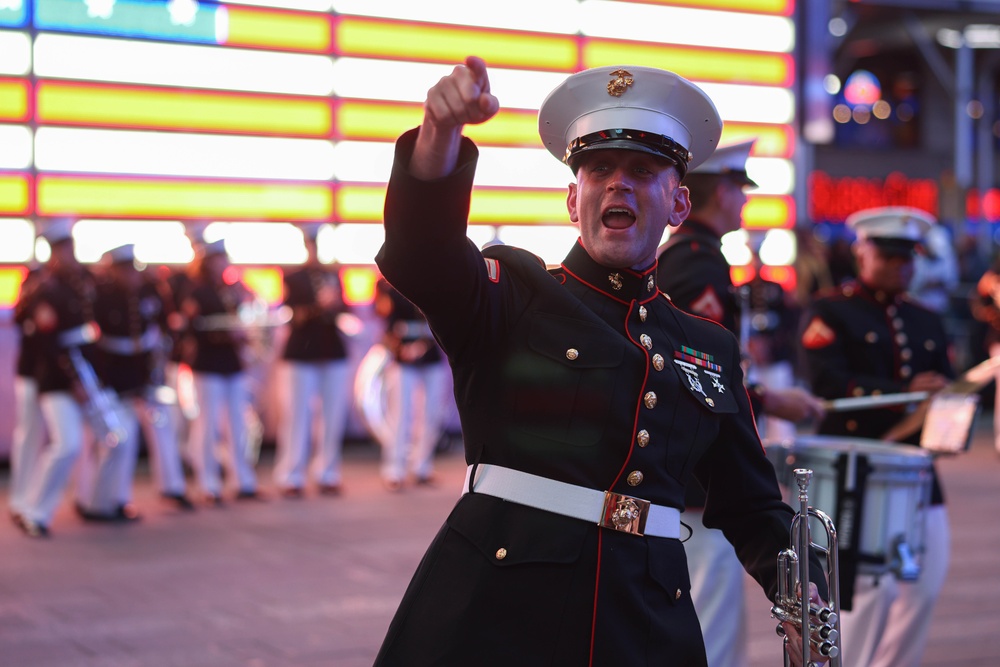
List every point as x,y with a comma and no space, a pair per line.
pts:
819,626
100,403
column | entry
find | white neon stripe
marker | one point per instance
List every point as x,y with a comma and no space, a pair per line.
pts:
550,242
366,78
185,65
555,16
262,242
156,241
18,240
176,154
15,147
774,176
694,27
356,243
371,161
15,53
751,104
778,247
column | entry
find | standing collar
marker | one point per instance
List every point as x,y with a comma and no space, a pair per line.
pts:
620,284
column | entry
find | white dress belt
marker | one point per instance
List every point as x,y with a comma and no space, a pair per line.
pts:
604,508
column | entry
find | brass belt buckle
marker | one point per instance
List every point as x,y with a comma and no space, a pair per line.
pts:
624,513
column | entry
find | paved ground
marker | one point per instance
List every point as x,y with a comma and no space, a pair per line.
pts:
313,582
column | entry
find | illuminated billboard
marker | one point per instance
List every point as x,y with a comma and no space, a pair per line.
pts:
285,111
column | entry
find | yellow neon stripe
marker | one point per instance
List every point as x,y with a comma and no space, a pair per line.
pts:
279,30
359,203
782,7
374,121
10,285
265,283
773,69
359,285
772,140
15,194
450,44
110,197
13,100
514,207
82,104
766,212
363,203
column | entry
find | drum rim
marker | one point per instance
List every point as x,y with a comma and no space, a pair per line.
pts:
908,455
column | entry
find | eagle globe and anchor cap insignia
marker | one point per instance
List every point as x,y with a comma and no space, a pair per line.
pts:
618,87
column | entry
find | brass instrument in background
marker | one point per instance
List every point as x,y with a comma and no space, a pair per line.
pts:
100,407
822,624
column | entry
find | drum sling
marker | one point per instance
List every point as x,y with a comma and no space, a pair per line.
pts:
852,479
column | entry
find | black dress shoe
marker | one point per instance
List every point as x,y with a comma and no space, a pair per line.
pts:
128,513
95,517
214,499
330,489
292,493
180,500
32,529
250,495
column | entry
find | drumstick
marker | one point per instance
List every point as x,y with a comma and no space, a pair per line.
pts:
875,401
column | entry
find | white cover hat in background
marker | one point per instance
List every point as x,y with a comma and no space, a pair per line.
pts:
630,107
892,227
729,160
123,254
214,248
57,230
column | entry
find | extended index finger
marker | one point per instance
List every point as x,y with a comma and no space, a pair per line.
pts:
477,66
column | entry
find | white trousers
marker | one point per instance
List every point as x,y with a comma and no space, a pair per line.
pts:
105,474
888,624
27,441
717,592
308,386
223,401
159,427
415,416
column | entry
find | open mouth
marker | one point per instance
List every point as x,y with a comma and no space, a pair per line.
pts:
618,217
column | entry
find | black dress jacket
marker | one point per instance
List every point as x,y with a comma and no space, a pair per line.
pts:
860,342
577,375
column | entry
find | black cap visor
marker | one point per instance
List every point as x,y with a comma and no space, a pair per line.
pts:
635,140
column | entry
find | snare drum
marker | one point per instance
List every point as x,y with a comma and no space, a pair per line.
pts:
875,493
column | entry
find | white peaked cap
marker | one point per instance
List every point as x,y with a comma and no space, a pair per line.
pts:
729,160
891,223
122,254
58,229
633,108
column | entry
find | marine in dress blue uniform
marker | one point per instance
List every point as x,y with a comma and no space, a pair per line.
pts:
210,310
131,311
61,313
583,392
314,374
416,382
28,436
864,339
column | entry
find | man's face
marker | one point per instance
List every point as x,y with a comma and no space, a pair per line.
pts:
881,270
732,198
622,201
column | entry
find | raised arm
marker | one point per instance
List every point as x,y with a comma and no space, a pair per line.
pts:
463,97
